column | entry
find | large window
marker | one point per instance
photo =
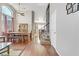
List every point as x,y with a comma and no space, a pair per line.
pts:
7,19
7,11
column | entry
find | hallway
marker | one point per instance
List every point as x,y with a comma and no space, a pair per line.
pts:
32,49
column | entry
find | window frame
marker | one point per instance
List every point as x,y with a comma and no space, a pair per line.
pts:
6,20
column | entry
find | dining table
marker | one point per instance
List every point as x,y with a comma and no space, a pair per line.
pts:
17,35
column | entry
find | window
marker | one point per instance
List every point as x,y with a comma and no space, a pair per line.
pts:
7,11
9,24
0,9
7,19
2,23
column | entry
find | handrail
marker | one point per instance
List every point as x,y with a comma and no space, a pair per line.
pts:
44,26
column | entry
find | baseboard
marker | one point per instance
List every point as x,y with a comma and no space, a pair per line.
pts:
58,52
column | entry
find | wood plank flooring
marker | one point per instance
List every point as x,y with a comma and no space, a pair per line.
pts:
32,49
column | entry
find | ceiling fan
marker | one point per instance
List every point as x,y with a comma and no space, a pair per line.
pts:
19,11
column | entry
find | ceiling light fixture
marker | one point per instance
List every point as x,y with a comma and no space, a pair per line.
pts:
19,11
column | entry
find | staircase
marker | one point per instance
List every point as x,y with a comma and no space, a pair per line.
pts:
44,38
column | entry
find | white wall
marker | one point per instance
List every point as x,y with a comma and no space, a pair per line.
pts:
24,19
53,27
67,30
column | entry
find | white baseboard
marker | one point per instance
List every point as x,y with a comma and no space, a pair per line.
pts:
58,52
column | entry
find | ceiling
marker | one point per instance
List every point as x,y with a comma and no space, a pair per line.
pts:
38,8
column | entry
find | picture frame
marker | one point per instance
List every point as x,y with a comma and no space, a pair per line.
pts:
75,7
69,8
72,8
23,27
69,11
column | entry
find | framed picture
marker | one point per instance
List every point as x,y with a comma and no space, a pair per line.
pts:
72,7
75,7
23,27
69,11
78,6
69,8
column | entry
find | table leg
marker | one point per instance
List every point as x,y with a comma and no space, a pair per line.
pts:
22,38
4,39
8,50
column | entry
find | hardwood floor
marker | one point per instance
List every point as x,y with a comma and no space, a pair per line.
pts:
32,49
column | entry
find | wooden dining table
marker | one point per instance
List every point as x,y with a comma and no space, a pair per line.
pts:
18,34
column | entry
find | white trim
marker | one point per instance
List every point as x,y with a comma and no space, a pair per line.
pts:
58,52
